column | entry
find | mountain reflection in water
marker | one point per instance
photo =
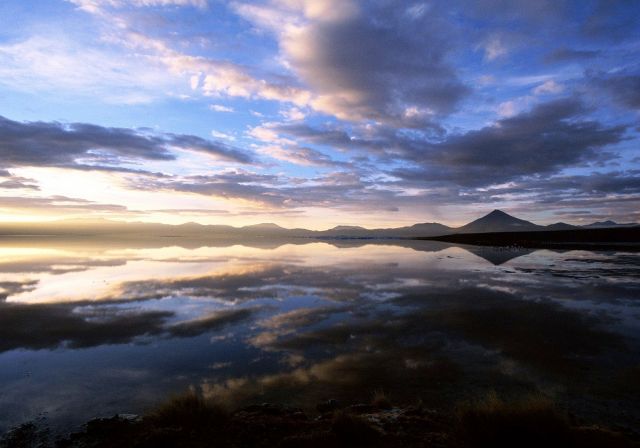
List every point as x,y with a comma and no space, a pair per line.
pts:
91,330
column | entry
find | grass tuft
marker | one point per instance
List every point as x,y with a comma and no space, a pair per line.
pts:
529,422
187,411
380,400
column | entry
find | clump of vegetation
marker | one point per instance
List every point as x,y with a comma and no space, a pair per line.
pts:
380,400
186,411
186,420
532,421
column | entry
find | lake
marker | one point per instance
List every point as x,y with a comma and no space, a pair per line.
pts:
90,328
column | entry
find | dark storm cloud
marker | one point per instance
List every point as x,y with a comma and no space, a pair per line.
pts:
544,140
521,11
47,326
607,20
86,324
528,149
333,137
18,183
621,182
214,186
63,145
608,195
339,189
377,64
550,137
622,87
593,187
10,288
612,20
218,149
58,204
570,55
213,321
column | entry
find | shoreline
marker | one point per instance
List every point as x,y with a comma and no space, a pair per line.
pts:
617,239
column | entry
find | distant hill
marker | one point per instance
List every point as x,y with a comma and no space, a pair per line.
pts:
424,229
609,224
496,221
561,226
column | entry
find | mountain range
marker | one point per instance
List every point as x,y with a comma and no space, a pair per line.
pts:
496,221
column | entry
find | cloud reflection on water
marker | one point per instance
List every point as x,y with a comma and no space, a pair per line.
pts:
302,323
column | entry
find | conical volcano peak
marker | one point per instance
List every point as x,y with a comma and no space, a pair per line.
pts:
498,214
497,221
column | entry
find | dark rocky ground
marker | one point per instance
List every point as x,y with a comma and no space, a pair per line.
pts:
189,421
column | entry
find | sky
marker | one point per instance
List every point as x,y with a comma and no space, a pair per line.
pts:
316,113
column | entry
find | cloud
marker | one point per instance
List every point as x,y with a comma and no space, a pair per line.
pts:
371,63
526,148
562,55
622,87
494,48
10,288
385,347
546,139
220,108
611,20
370,100
548,88
213,321
54,63
56,204
95,6
81,144
16,182
607,195
222,135
298,155
124,60
47,326
81,325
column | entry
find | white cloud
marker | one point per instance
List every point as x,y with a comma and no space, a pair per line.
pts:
96,6
548,87
494,48
507,109
513,107
293,114
53,63
221,108
205,75
222,135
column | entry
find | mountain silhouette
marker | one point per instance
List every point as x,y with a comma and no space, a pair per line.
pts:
561,226
609,223
495,222
498,221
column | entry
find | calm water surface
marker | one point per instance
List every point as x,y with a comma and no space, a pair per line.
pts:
90,330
